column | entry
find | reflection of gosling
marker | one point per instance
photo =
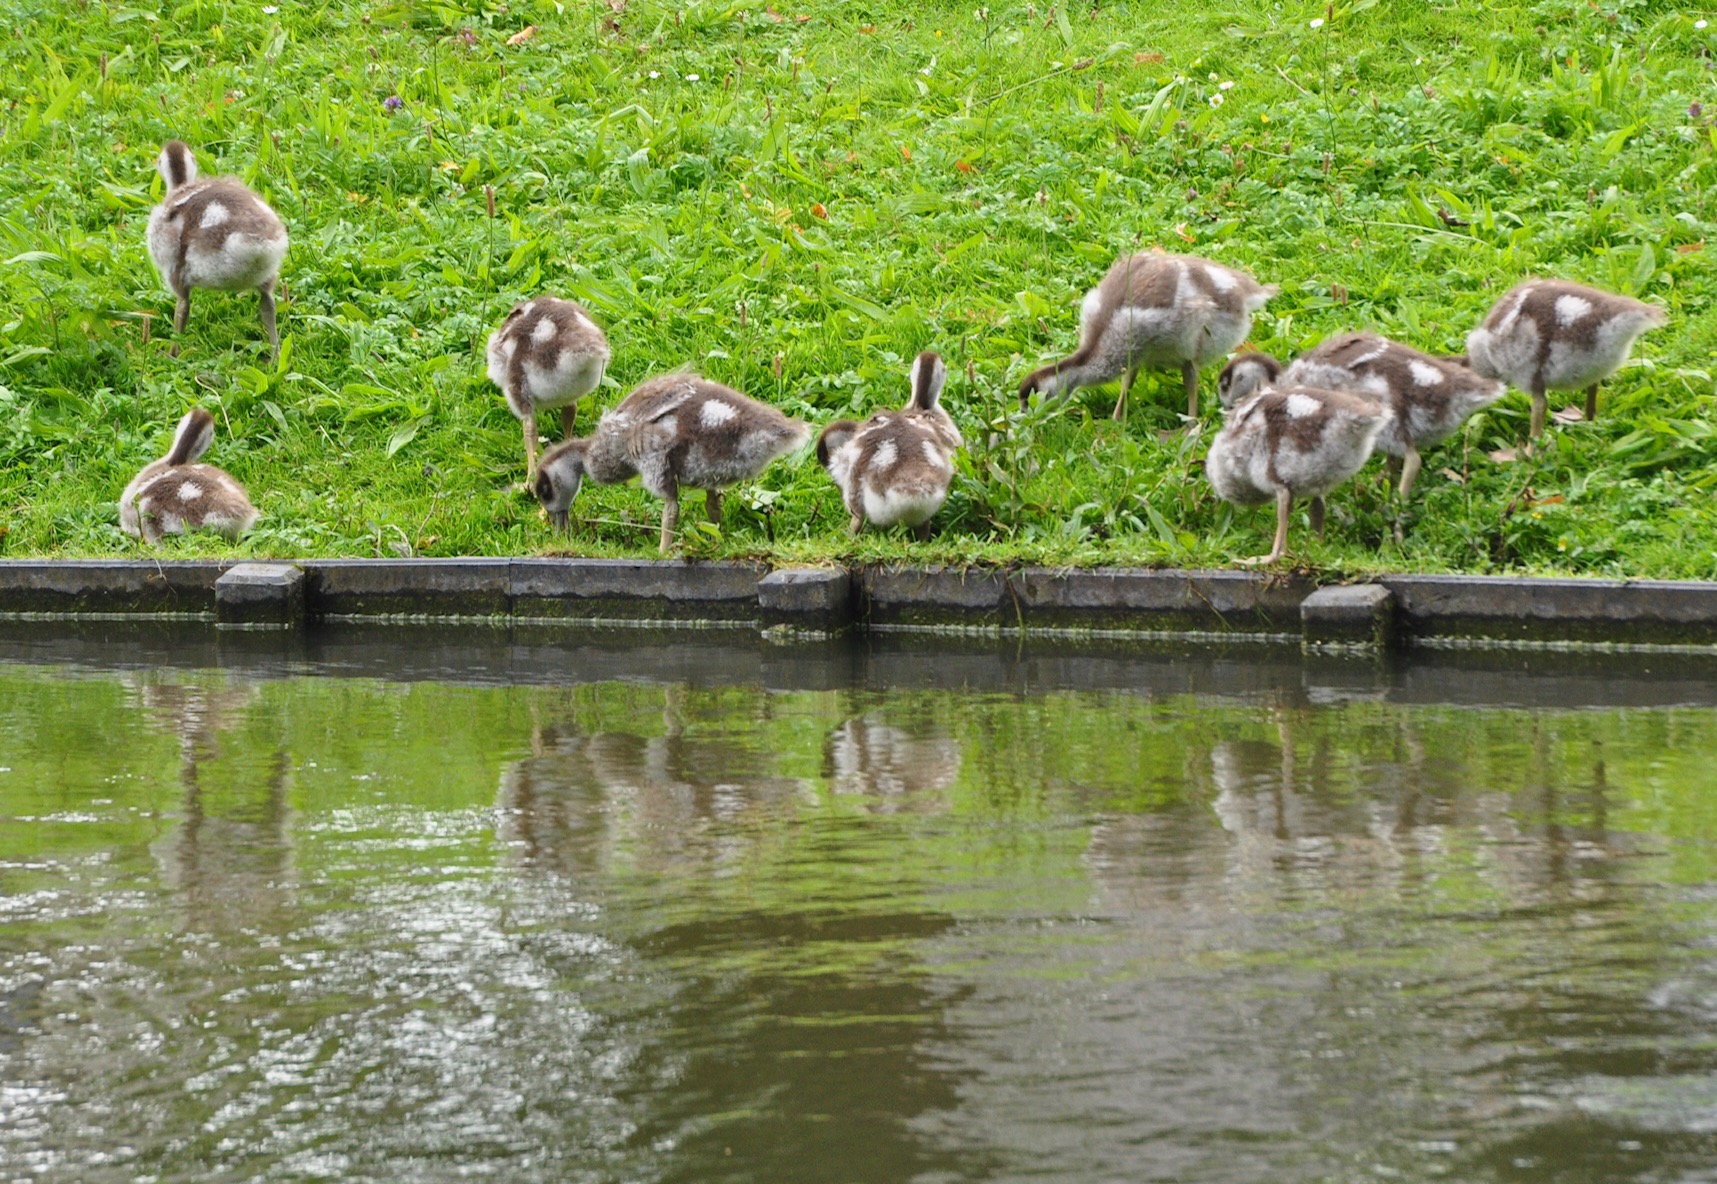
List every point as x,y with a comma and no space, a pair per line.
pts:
547,353
1158,311
897,465
1430,397
1288,442
1550,335
868,757
673,431
173,495
214,233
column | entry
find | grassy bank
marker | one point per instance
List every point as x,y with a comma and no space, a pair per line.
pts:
794,200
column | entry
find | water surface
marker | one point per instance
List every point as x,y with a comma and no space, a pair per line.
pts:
549,908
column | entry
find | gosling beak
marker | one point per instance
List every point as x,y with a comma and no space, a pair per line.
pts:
561,520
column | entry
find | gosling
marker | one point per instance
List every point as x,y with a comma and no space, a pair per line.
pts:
1288,442
547,353
1159,311
674,431
1551,335
214,233
1430,397
896,466
175,495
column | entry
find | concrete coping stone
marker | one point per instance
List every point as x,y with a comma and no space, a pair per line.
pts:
1347,615
260,596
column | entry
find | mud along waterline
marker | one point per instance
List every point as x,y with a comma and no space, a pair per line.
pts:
416,905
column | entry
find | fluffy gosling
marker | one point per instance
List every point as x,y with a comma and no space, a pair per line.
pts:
1551,335
1159,311
174,495
897,465
547,353
675,431
1288,442
213,233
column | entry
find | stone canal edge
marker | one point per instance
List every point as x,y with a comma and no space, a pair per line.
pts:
1218,606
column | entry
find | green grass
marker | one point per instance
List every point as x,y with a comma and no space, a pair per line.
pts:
670,165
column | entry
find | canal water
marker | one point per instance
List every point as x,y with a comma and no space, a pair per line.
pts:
401,906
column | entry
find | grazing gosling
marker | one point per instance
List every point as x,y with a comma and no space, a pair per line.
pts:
1430,396
213,233
1292,441
1551,335
897,465
547,353
1154,310
673,431
174,495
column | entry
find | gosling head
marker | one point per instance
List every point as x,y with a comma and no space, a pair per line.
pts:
176,164
559,476
929,373
196,431
833,438
1246,374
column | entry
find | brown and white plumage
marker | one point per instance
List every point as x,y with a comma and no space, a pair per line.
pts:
547,353
675,431
1158,311
1430,396
214,232
1551,335
897,465
1292,441
174,495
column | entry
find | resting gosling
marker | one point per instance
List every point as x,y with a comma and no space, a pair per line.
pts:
676,430
1292,441
547,353
1430,397
1154,310
213,233
174,495
897,465
1551,335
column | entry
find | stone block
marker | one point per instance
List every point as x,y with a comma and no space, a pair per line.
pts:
813,599
634,589
409,588
1349,615
260,596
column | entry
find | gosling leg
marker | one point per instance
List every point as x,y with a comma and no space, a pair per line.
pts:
181,311
530,448
1189,374
712,506
922,531
1539,407
1119,415
670,519
265,295
568,417
1284,503
1592,403
1409,470
1317,516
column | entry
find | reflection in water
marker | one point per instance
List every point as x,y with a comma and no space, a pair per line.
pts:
293,931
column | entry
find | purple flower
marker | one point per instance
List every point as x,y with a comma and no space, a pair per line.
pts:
393,103
1694,111
468,35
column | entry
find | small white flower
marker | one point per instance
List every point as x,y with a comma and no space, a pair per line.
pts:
1418,61
271,9
691,77
1216,100
1699,24
1318,23
1213,76
1229,85
653,74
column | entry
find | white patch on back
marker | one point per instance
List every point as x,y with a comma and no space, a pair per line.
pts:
214,214
1570,308
884,456
544,331
934,454
715,413
1375,384
1424,374
1302,406
190,491
509,346
1220,278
